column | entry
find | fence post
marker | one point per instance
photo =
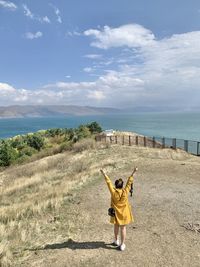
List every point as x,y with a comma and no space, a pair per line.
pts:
129,140
136,140
163,142
145,141
154,141
198,148
174,143
123,140
115,139
186,145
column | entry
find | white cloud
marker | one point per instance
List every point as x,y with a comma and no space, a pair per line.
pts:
29,14
57,13
73,33
131,35
88,69
6,88
68,76
31,36
93,56
45,19
96,95
158,73
9,5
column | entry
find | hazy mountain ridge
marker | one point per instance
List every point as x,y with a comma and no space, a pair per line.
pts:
52,110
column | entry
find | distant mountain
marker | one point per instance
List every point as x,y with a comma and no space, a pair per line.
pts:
52,110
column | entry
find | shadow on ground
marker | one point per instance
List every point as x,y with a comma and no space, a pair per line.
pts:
71,244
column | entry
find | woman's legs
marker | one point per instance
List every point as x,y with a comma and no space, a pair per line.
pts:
123,233
116,230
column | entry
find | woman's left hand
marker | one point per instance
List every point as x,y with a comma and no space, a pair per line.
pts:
102,172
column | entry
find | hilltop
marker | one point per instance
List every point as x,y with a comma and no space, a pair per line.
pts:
54,210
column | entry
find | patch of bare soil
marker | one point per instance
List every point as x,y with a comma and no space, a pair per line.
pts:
166,197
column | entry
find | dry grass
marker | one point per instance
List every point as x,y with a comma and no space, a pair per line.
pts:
32,194
84,144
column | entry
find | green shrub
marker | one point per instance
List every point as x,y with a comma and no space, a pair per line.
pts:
35,140
94,127
65,146
22,158
28,151
83,132
8,154
54,132
18,142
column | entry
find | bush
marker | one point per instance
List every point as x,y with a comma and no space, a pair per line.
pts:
35,140
47,142
22,158
83,132
18,142
8,154
28,151
65,146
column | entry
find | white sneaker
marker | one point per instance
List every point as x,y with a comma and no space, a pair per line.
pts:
122,247
116,243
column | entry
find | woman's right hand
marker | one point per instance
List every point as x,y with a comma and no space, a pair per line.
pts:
101,170
134,171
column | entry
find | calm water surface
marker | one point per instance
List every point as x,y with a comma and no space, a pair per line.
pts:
179,125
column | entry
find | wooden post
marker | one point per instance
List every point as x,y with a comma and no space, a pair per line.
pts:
136,140
163,142
154,143
145,141
174,143
111,139
186,145
115,139
198,148
129,140
123,140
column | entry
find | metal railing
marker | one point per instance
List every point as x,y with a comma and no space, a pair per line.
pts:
192,147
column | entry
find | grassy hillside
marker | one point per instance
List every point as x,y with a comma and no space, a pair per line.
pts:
32,194
38,199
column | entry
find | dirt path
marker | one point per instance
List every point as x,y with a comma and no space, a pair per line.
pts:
166,197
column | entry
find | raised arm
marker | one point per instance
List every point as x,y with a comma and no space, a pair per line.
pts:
130,181
108,181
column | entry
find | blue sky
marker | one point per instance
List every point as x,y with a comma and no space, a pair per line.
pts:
130,53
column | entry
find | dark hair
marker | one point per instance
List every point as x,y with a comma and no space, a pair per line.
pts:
119,183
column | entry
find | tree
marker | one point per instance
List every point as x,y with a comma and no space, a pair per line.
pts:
94,127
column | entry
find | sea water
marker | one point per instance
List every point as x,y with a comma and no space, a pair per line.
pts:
176,125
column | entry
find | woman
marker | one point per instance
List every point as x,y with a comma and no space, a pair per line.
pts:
119,201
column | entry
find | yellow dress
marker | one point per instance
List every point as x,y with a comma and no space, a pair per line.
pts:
119,201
